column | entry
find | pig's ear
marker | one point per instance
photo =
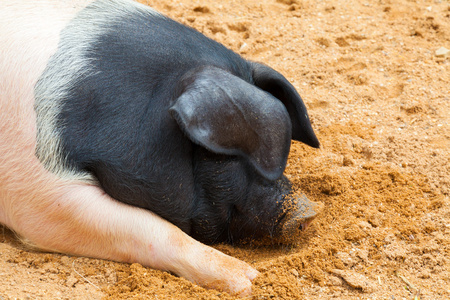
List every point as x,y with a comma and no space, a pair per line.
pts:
276,84
227,115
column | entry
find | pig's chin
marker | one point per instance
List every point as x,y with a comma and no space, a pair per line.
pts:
244,230
293,220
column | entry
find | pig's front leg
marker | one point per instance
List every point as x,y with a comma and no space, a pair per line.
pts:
83,220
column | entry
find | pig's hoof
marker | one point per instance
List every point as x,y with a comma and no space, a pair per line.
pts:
237,278
213,269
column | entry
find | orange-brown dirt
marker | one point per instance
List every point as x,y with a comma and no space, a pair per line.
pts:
378,94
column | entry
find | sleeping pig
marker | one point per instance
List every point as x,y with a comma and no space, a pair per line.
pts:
125,135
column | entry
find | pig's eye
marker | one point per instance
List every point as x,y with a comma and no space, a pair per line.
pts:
232,211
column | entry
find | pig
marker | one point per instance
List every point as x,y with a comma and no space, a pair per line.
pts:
125,135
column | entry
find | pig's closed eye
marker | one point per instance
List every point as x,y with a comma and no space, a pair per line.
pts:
233,211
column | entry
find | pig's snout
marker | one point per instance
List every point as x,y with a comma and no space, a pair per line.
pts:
301,212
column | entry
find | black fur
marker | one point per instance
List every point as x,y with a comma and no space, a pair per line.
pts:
121,124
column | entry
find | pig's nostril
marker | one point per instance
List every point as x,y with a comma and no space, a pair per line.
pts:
304,226
300,216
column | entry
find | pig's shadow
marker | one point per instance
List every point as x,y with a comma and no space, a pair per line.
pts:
8,237
254,251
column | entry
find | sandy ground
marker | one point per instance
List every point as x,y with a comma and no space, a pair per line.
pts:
379,97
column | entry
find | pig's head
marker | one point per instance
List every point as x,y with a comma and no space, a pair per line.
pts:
165,119
242,133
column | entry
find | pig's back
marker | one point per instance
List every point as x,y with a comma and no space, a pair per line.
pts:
29,35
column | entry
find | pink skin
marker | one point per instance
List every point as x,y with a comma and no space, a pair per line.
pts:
70,216
306,225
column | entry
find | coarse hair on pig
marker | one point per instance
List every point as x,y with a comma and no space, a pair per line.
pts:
65,68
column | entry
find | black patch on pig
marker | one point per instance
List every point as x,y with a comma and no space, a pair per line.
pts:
122,124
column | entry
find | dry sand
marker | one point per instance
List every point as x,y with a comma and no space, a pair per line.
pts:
379,97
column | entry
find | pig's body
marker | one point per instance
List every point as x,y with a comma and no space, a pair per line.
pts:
110,96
